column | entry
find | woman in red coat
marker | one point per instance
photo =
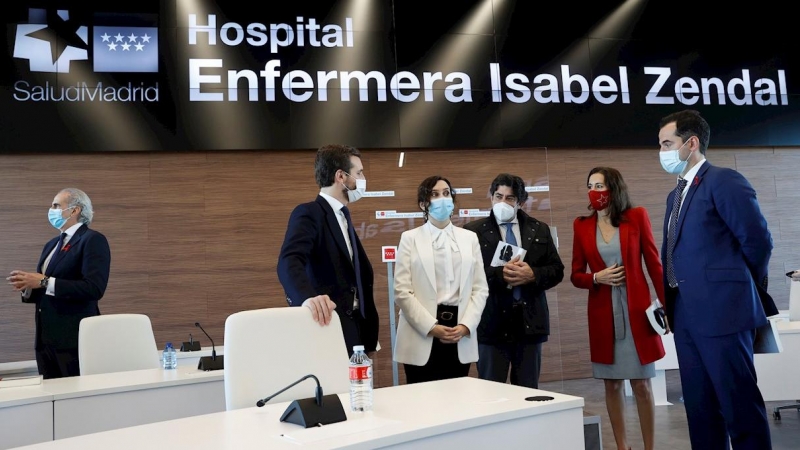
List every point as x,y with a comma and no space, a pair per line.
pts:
612,241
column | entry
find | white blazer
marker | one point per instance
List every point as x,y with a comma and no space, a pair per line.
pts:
415,293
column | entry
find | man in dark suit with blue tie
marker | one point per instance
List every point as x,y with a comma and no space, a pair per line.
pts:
322,264
715,253
70,279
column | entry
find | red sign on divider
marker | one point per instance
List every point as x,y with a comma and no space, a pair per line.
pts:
389,254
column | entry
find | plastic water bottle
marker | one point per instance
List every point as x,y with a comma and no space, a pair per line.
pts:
360,380
170,357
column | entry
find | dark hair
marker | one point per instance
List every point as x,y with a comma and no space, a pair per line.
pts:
689,123
330,159
620,201
425,190
514,182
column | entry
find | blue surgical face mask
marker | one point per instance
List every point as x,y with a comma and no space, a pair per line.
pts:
441,208
354,195
54,215
671,160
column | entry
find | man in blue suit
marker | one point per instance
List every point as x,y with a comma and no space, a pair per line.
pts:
70,279
715,254
322,264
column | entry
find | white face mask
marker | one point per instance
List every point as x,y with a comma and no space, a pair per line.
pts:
671,160
504,212
354,195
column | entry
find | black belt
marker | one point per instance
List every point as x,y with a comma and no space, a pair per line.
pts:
447,315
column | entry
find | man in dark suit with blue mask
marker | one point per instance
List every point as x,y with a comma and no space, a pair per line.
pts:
715,254
70,279
322,264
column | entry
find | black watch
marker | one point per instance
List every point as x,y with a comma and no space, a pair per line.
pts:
43,283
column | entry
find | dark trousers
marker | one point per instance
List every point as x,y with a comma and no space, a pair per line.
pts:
57,363
442,364
524,359
720,392
351,328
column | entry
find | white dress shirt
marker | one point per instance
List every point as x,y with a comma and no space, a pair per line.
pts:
446,263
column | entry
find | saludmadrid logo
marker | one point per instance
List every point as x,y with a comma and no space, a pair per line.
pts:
51,41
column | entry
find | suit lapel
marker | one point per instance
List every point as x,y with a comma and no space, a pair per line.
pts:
688,200
624,228
59,254
465,249
49,248
425,253
336,229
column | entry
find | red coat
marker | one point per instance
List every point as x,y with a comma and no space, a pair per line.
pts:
636,243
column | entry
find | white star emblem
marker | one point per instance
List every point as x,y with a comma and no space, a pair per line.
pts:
145,38
112,46
126,47
603,199
132,38
139,47
105,37
119,37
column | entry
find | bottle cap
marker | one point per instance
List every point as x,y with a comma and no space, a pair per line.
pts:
358,348
169,344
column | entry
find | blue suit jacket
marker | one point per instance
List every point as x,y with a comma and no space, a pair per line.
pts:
314,260
81,273
722,251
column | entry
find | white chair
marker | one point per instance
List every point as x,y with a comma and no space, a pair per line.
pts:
794,316
116,343
269,349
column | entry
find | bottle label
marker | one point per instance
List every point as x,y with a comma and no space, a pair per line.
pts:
360,373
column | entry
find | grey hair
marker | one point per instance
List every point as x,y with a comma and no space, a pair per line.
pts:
76,197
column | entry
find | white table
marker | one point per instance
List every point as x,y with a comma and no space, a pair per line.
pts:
26,416
26,368
73,406
779,373
461,413
92,403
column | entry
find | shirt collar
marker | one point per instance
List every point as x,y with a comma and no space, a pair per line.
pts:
514,220
336,205
71,230
435,231
693,171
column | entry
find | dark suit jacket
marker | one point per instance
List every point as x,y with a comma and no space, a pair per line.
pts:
81,273
722,250
314,260
548,270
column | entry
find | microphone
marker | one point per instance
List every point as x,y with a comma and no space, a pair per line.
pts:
318,396
317,411
191,346
207,363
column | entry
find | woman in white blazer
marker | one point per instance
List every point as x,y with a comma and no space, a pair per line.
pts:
440,286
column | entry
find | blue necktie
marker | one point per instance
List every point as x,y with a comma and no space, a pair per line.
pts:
672,233
56,253
351,231
511,239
